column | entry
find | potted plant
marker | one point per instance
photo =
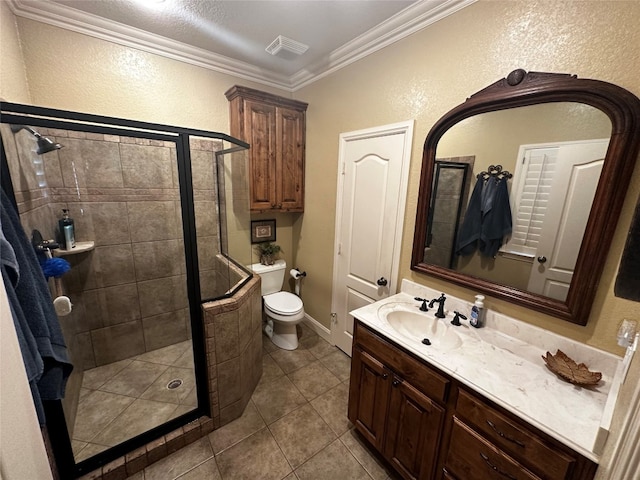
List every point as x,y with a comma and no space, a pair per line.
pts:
267,250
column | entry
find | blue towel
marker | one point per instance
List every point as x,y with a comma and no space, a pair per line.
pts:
39,334
487,220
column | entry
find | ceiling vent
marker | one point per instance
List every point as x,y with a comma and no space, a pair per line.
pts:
286,48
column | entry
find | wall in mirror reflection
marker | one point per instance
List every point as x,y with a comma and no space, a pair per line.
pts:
495,138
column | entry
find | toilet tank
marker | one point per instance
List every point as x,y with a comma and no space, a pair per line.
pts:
272,276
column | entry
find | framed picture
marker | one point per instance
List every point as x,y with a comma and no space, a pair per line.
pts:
263,231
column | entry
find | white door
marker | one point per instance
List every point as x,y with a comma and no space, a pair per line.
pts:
372,185
575,180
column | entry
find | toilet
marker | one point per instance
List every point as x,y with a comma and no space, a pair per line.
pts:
284,310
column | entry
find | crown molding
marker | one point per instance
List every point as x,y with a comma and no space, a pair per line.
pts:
406,22
87,24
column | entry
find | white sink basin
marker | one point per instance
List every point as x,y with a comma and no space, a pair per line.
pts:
418,326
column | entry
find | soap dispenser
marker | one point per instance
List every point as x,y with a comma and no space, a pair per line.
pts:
477,312
67,233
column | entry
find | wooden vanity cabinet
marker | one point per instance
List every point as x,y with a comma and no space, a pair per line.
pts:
471,457
492,444
369,396
390,406
274,127
413,428
428,426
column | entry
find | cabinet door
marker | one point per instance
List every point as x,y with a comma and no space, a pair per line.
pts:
260,128
414,425
368,396
289,164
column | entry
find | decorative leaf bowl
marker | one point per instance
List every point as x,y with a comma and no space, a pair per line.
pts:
567,369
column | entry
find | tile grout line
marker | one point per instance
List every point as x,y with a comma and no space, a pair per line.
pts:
235,443
139,397
213,456
308,402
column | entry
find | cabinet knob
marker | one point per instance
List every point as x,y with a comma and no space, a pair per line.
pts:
385,376
542,259
382,282
396,382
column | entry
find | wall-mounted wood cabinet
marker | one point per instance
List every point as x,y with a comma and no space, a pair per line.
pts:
274,127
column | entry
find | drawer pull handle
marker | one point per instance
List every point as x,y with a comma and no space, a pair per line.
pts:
502,435
496,469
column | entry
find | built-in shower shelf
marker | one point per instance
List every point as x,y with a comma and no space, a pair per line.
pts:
79,248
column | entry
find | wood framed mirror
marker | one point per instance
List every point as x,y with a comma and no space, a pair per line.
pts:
536,102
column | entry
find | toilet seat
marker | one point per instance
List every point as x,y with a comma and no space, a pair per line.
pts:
283,303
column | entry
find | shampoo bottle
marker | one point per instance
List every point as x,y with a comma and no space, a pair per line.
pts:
67,232
478,312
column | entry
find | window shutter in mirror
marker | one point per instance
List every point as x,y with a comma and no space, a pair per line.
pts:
529,199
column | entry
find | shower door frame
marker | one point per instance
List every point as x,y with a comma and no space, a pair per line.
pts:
13,113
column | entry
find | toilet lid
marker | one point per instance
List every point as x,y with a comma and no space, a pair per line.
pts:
284,303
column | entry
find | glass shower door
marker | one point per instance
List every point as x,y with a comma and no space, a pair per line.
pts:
129,332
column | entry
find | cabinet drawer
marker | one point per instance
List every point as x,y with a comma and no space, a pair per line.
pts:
513,438
471,457
418,374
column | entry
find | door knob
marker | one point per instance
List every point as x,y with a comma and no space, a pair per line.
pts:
542,259
382,282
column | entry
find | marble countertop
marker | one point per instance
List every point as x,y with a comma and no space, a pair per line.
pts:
502,362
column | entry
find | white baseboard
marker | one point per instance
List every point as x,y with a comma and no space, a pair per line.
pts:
317,327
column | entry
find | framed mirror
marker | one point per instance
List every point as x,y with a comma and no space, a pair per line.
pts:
568,147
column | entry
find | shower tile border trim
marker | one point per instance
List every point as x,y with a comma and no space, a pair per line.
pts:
139,459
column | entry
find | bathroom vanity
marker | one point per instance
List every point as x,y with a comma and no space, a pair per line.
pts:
476,404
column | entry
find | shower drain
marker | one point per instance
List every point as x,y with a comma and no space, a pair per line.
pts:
173,384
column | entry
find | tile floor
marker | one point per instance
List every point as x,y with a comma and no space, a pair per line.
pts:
123,399
295,426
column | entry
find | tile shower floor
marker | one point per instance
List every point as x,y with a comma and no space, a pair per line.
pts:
295,426
123,399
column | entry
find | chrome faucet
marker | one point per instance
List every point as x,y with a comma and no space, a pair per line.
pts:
440,301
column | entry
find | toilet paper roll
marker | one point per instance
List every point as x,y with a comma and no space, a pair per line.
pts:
294,273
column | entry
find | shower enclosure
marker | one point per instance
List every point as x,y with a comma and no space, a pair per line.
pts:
161,218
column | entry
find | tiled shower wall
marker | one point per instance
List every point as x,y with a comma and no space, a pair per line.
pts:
446,218
129,292
233,332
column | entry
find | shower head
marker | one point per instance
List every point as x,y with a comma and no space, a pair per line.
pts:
45,144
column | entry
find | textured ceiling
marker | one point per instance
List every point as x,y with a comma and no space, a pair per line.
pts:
234,34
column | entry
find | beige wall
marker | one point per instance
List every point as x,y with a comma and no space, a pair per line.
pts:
495,137
421,78
431,72
13,74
